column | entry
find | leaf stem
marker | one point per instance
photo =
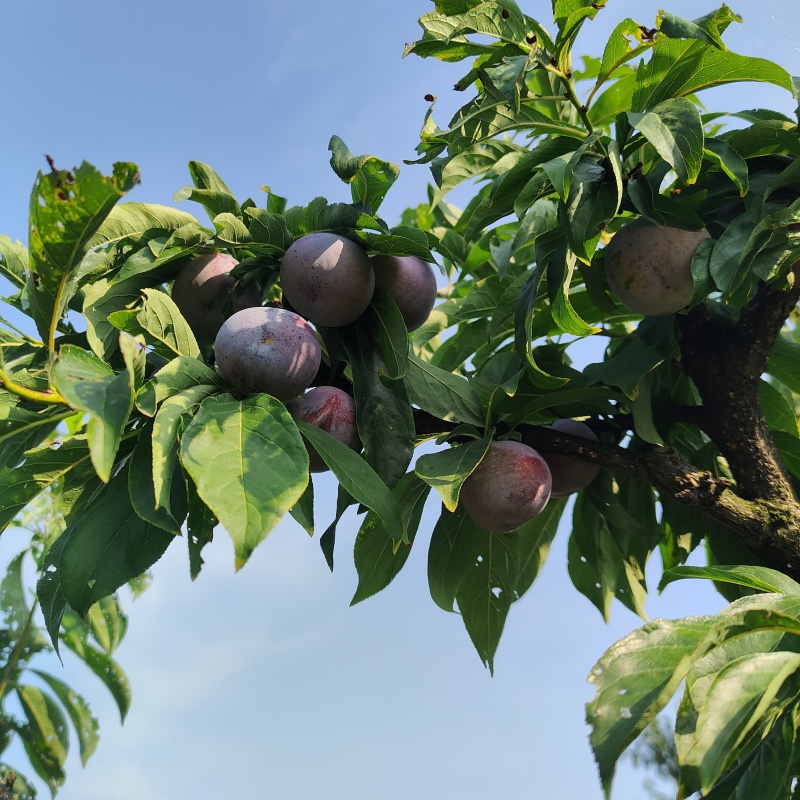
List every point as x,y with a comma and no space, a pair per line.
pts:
569,94
50,396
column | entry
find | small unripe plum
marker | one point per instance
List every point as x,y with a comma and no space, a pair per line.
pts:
202,292
649,267
412,284
571,474
327,278
508,488
330,409
269,350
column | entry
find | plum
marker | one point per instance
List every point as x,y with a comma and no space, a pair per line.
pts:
269,350
330,409
508,488
327,278
412,284
202,292
571,474
649,267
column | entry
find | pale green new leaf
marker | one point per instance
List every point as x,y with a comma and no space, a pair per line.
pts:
447,469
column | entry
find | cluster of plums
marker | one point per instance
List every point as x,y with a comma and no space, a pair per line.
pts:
327,280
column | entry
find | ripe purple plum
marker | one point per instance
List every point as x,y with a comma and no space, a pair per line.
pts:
332,410
412,284
269,350
327,278
571,474
204,291
649,267
508,488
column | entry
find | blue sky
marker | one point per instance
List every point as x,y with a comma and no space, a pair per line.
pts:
266,683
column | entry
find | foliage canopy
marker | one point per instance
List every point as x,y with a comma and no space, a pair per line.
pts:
116,428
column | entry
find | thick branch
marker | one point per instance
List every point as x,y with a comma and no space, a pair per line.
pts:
725,362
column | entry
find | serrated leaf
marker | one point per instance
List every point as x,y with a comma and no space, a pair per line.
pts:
369,177
43,467
681,67
738,698
392,334
165,439
85,725
533,542
249,464
102,665
356,477
106,546
761,579
443,394
133,220
177,376
162,325
90,385
675,130
383,410
44,735
200,525
378,555
447,469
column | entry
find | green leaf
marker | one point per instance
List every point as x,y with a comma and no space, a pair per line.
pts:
134,220
89,384
392,334
675,130
13,261
681,67
101,299
106,546
303,510
179,375
634,680
789,448
729,161
369,177
43,467
45,735
165,440
533,542
452,552
784,363
443,394
102,665
161,324
737,700
107,623
249,464
485,594
447,469
708,28
209,190
378,554
169,510
200,526
356,477
85,725
66,211
383,411
761,579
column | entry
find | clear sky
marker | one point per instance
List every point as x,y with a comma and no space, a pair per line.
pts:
265,684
